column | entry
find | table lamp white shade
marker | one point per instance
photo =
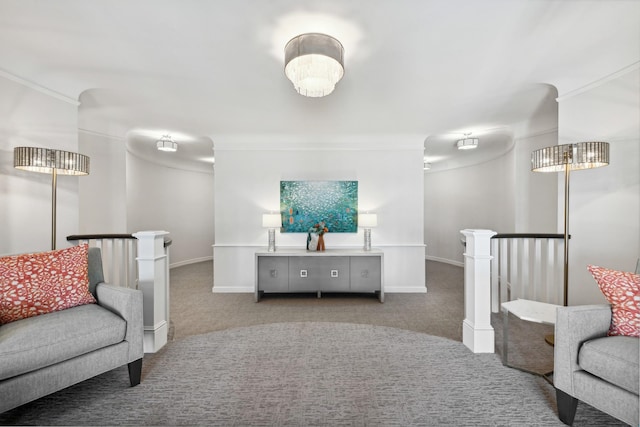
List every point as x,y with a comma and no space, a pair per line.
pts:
271,221
368,220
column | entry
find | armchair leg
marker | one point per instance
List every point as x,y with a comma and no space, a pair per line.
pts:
566,407
135,372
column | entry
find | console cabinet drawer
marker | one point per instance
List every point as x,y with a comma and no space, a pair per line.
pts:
329,274
365,274
273,274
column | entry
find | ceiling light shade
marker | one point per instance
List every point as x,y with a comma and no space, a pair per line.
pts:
467,144
167,144
46,160
580,155
314,63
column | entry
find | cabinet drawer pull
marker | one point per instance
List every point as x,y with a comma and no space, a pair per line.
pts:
303,273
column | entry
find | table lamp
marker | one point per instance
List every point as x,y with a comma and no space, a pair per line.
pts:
367,221
272,221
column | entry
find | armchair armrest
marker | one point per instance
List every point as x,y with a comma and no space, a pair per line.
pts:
574,326
126,303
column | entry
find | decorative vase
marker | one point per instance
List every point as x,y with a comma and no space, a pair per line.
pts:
312,242
321,242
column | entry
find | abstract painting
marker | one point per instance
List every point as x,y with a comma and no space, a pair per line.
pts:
304,204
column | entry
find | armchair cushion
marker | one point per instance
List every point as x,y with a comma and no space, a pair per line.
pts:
614,359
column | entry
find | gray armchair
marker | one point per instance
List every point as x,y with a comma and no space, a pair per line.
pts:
592,367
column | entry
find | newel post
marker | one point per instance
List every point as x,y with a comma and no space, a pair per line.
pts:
153,281
477,332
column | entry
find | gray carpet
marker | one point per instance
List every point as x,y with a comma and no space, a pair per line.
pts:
310,374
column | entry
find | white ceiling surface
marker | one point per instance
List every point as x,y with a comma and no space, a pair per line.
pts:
204,71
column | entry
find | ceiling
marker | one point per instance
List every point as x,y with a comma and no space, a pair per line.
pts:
207,71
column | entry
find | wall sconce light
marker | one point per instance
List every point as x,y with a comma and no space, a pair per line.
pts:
367,221
55,162
272,221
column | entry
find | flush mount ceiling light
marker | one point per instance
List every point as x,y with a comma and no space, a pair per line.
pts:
167,144
314,63
467,143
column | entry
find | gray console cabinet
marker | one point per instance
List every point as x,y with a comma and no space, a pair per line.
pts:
337,270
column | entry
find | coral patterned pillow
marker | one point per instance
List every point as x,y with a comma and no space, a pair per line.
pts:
622,290
33,284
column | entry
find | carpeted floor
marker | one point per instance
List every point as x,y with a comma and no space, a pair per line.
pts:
302,361
310,374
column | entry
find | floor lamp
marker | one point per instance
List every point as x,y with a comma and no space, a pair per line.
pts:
565,158
55,162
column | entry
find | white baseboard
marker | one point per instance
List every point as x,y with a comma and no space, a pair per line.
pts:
190,261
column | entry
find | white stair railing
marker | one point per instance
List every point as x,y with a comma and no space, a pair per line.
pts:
119,252
138,261
528,266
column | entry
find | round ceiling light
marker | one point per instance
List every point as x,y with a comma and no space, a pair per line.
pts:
314,63
467,143
167,144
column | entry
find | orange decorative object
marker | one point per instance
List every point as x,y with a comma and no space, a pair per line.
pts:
320,242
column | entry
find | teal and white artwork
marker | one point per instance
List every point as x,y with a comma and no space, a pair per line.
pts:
304,204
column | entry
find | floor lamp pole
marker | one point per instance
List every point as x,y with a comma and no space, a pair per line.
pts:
54,186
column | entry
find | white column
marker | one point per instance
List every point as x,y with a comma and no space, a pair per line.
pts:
153,281
477,332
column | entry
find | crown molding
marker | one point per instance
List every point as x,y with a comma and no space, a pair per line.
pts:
599,82
101,134
381,142
39,88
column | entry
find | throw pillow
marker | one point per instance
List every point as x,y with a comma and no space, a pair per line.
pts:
622,290
39,283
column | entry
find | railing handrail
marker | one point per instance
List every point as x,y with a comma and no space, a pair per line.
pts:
99,236
167,241
529,236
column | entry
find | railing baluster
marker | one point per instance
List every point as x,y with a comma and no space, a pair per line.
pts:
528,266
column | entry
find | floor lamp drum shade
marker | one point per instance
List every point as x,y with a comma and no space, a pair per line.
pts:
54,162
565,158
581,155
314,63
45,160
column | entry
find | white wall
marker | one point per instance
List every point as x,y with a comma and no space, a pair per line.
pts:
178,201
33,116
103,194
389,179
604,202
476,197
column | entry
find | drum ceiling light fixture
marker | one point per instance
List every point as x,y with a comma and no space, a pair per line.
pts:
314,63
167,144
467,143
